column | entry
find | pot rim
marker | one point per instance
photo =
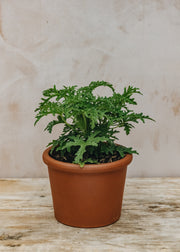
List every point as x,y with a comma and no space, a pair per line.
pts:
88,168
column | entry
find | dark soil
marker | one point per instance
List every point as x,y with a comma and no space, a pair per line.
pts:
69,157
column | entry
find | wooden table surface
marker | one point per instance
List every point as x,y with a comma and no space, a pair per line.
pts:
150,219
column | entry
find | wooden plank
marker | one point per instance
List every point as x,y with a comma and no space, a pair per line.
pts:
150,219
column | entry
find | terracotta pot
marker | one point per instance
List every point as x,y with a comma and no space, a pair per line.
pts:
90,196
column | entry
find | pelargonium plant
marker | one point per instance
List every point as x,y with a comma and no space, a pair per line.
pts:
90,122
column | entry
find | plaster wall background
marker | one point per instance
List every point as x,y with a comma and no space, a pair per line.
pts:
44,42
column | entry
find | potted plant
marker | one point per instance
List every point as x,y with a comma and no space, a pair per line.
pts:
87,169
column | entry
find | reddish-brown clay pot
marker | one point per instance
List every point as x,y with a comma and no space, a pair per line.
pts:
90,196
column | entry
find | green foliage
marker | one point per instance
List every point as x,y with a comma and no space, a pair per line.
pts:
90,122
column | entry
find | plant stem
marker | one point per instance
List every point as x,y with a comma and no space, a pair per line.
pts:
85,122
67,124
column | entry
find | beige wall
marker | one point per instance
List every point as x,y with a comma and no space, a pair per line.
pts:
43,42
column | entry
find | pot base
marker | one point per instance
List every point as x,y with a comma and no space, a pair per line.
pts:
97,225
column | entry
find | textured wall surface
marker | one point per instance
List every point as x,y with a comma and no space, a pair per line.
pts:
43,42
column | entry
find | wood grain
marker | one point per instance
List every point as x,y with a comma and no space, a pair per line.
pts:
150,219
